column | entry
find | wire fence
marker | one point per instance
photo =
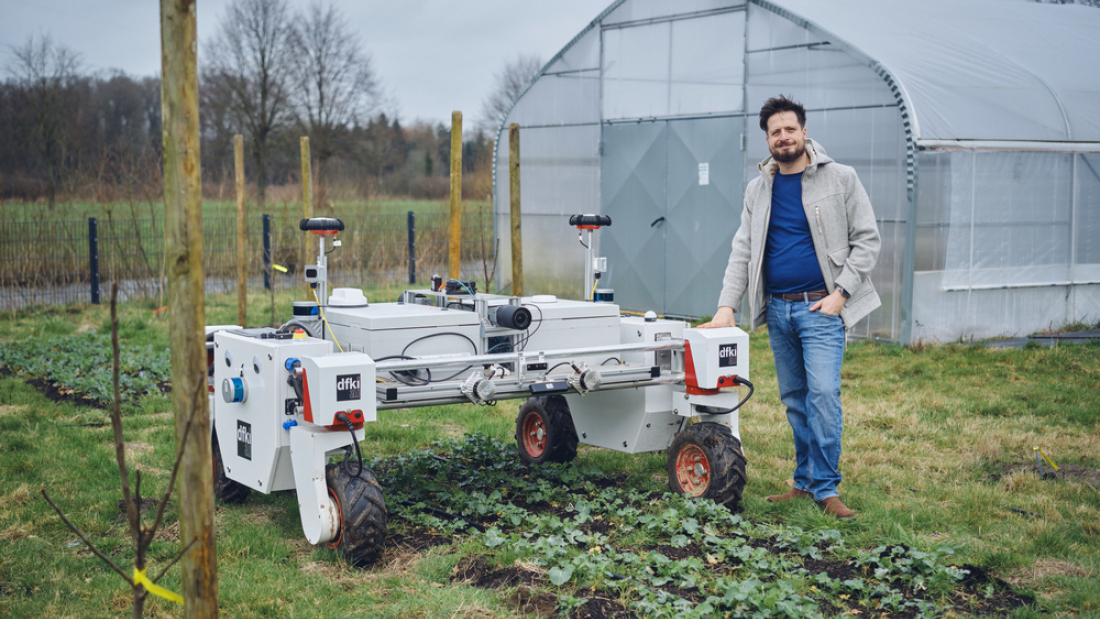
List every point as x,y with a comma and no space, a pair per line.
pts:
71,261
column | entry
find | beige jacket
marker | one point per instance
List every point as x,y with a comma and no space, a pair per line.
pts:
842,225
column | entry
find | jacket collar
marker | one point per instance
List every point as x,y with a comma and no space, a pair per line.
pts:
769,167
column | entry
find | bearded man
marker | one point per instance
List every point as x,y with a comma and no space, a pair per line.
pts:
807,243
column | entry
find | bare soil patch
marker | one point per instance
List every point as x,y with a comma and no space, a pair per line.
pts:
416,541
476,571
1065,472
533,602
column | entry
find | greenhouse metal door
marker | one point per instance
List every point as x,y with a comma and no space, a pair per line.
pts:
673,191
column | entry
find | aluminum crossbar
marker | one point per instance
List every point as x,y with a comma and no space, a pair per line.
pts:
513,357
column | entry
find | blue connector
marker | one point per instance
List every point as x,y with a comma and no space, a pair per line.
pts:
290,363
287,425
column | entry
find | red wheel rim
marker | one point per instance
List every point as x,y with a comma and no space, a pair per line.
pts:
534,434
340,531
692,470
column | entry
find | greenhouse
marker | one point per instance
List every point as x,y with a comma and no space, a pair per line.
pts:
973,126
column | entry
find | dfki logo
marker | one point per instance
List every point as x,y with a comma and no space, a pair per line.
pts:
727,355
348,387
244,440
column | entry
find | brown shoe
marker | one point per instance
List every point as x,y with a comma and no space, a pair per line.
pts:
834,507
794,493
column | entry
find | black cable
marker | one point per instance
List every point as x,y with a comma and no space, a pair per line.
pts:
740,381
347,450
283,329
610,358
409,373
558,366
452,376
531,333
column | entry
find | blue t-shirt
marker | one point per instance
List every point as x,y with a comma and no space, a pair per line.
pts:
790,263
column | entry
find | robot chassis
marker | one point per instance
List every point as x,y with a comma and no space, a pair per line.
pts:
291,398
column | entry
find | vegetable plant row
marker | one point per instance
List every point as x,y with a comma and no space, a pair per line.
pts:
80,367
664,555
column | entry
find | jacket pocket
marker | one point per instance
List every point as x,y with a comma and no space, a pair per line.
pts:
832,219
837,258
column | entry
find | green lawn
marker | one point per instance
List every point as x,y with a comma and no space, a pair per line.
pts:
938,453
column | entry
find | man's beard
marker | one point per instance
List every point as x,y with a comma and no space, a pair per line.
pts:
790,156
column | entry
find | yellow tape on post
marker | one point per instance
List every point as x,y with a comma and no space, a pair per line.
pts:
141,579
1047,458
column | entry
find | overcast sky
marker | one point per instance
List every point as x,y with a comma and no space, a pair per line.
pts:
432,56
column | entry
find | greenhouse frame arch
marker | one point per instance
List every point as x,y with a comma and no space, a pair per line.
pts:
971,125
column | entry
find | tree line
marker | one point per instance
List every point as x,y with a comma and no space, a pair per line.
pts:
269,74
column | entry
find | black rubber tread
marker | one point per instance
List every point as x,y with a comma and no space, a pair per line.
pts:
561,434
364,518
723,452
225,489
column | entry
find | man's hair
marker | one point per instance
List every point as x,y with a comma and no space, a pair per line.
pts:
775,105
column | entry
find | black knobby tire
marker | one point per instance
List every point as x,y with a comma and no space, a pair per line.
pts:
362,512
705,460
227,490
545,431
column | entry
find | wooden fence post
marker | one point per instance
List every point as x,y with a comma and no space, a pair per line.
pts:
307,207
456,194
513,192
242,235
186,321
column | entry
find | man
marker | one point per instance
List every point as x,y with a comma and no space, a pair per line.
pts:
807,242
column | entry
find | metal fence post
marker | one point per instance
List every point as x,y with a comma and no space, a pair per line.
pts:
267,252
93,258
412,247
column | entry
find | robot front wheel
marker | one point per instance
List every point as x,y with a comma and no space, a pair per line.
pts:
705,460
362,511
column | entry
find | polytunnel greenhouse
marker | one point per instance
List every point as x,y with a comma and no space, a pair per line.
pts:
974,126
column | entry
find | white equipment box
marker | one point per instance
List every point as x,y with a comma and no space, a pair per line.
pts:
255,447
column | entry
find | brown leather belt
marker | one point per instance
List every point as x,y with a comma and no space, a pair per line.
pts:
809,296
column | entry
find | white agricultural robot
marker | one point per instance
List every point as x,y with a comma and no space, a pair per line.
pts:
285,400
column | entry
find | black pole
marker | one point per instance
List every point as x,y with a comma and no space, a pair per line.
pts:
267,252
93,258
412,247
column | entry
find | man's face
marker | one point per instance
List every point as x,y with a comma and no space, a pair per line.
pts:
786,138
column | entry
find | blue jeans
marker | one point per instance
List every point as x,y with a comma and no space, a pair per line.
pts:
809,350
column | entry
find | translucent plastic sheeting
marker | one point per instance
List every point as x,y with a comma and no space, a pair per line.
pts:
582,55
980,69
560,178
678,67
1010,219
637,10
1008,243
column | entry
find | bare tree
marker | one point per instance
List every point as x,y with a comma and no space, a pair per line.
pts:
246,72
141,534
510,83
1092,3
335,83
45,70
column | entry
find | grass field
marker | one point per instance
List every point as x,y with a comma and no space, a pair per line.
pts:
938,453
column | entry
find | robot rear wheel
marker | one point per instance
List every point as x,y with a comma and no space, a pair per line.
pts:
545,431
